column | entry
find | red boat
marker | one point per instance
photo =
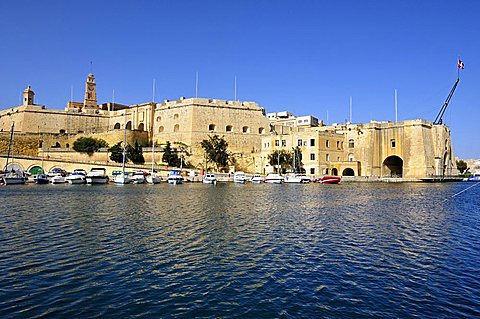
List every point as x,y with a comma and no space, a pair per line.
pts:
328,179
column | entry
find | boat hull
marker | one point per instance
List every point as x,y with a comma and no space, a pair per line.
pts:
96,180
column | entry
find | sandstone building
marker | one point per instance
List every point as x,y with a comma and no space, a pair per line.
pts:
409,149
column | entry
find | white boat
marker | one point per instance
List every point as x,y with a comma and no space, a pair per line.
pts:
175,177
12,176
239,178
296,179
153,178
273,179
138,177
209,178
77,177
97,176
123,178
59,178
256,179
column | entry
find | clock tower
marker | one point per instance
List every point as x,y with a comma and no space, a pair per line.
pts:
90,100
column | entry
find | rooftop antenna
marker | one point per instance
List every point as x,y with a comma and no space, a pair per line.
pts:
350,109
235,88
196,85
396,106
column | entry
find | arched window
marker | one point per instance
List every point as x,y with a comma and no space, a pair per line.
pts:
261,130
228,128
175,116
176,128
159,118
116,126
160,129
67,145
245,129
129,125
141,127
351,143
211,127
57,144
62,131
351,158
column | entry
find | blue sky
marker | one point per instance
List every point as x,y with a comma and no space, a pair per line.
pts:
307,57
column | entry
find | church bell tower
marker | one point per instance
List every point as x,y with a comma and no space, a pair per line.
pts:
90,100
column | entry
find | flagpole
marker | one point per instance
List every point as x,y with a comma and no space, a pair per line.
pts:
396,107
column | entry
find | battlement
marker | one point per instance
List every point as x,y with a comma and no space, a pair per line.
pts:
182,102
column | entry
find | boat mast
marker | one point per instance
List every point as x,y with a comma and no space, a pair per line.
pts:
124,142
10,146
153,126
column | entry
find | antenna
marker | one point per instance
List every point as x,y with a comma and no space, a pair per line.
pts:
196,85
235,88
113,99
350,109
396,106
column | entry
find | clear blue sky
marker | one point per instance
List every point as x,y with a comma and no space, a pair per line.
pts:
303,56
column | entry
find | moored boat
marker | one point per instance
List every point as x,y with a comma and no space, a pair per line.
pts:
41,179
296,179
209,178
97,176
239,177
273,179
175,177
77,177
328,179
59,178
256,179
138,177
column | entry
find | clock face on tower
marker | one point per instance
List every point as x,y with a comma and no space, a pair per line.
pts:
91,87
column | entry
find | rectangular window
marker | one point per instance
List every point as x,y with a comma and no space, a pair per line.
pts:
312,171
392,143
338,145
312,142
277,143
284,142
327,143
300,143
327,158
312,157
351,143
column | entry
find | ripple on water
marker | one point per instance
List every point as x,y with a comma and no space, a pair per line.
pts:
246,251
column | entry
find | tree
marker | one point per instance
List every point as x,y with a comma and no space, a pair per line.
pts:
280,157
297,152
88,145
116,152
215,148
135,154
462,166
170,156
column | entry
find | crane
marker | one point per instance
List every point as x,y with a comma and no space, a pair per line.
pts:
438,119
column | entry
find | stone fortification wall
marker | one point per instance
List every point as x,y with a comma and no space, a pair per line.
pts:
22,145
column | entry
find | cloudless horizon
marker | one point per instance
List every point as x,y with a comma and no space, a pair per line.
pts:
307,57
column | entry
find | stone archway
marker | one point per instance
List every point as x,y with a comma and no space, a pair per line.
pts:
393,167
348,172
129,125
334,172
141,127
35,170
116,126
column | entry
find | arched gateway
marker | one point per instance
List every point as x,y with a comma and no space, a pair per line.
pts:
393,167
348,172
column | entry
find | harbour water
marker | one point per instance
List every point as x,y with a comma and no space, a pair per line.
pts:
240,251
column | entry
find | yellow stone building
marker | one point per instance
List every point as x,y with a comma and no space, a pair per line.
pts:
409,149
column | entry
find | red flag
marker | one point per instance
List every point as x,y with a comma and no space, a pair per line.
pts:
460,64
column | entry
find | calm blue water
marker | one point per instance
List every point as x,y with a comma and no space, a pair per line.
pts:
240,251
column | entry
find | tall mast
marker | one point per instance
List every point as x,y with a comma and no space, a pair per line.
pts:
124,142
10,146
153,127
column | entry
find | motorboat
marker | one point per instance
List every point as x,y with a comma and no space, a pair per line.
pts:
209,178
257,179
41,179
296,179
273,179
58,178
175,177
474,178
239,178
97,176
56,171
138,177
14,177
153,178
328,179
77,177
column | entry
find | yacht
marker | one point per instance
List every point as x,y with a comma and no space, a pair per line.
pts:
14,177
138,177
122,179
273,179
239,178
77,177
257,179
58,178
209,178
97,176
328,179
175,177
153,178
